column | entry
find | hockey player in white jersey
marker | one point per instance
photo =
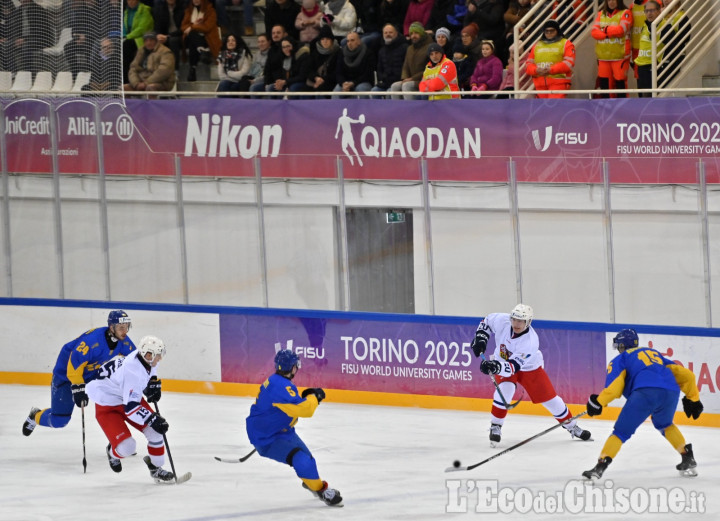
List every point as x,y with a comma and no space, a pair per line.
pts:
119,402
518,360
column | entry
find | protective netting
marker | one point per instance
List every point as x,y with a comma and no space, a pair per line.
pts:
61,46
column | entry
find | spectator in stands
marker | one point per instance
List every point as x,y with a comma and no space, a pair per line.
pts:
309,21
105,68
463,65
488,16
473,44
137,20
415,60
81,16
488,71
508,83
442,37
611,31
418,11
341,16
6,41
153,68
234,62
290,73
274,58
29,35
111,19
369,25
391,57
438,16
551,61
456,17
675,48
168,15
201,35
259,61
248,15
282,12
439,75
322,62
355,66
514,13
644,61
393,12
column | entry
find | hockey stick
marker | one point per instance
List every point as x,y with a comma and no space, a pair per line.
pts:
236,460
507,405
82,414
185,476
458,468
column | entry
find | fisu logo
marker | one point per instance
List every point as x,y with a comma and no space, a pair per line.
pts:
304,351
559,138
542,147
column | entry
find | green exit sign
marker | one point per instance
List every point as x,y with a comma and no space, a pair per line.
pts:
395,217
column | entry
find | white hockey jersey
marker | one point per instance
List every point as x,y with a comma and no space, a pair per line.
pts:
523,349
121,381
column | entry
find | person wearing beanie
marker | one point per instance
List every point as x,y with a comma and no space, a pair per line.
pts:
439,75
322,62
442,37
473,46
551,61
613,48
415,59
417,11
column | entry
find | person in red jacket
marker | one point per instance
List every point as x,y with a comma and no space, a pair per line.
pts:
551,61
440,75
612,30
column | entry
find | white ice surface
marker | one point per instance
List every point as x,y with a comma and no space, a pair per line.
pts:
388,463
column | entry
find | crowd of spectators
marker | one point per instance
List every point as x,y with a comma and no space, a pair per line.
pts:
321,47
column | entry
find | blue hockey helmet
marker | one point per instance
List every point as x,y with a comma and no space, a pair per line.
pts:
285,360
118,316
626,339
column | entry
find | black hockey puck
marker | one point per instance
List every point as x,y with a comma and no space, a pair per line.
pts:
456,463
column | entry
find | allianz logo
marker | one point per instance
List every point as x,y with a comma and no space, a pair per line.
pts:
303,351
558,138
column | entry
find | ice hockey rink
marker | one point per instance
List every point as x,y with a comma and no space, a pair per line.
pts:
388,463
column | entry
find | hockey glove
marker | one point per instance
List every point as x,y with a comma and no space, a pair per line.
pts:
79,395
158,423
490,366
153,391
691,408
319,393
593,406
479,343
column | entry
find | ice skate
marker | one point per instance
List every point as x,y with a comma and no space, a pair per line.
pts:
327,495
30,423
495,434
576,431
597,471
159,474
115,463
687,466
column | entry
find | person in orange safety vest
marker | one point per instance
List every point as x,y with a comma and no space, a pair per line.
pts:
440,75
612,30
551,61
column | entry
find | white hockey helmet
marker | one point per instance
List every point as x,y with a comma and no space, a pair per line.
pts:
522,312
151,344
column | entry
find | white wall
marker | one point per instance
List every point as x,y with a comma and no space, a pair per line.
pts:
562,230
